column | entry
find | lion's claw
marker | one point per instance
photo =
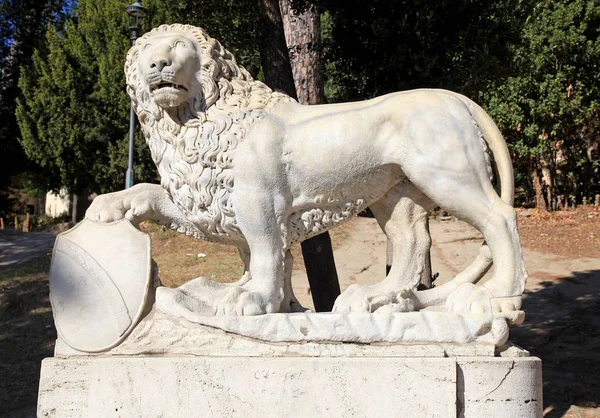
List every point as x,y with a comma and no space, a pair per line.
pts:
470,298
106,208
358,298
135,204
509,308
240,301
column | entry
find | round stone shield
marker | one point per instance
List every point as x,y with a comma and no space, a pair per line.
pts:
100,279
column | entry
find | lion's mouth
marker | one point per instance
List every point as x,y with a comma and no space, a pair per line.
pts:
165,85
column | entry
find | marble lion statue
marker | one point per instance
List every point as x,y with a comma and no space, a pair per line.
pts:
246,166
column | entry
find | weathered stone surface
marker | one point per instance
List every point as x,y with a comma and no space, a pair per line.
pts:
506,387
425,326
100,283
291,387
238,386
159,333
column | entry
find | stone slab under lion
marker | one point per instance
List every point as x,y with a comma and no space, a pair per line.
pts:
162,334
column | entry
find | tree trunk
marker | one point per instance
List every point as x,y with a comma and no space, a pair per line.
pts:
273,54
303,39
427,274
74,209
548,181
540,203
317,251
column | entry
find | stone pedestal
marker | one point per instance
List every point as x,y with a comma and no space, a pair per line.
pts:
169,367
244,386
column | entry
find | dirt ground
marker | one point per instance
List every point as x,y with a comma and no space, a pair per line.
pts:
562,255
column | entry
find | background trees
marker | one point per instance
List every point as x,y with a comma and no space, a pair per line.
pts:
22,24
377,47
547,105
531,64
73,115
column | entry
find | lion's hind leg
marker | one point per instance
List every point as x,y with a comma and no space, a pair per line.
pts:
402,214
501,295
475,202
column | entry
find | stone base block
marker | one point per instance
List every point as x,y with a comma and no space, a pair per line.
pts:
180,386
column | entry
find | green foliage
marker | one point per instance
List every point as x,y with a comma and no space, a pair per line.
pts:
548,106
74,110
533,64
381,46
22,25
74,117
237,24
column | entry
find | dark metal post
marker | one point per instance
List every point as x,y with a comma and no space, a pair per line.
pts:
129,176
321,272
136,11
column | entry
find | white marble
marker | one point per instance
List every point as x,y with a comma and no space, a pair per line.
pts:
493,387
162,334
243,165
290,387
425,326
100,283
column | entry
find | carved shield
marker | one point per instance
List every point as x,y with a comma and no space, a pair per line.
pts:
100,279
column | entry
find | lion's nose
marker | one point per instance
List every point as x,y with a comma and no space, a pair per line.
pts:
159,64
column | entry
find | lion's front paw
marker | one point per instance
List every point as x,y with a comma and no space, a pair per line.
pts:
358,298
135,204
243,301
470,298
106,208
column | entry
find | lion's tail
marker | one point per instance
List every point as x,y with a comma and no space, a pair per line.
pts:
495,142
482,263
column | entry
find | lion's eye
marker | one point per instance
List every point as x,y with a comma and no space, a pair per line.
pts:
179,44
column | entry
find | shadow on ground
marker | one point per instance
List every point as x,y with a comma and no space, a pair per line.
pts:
562,327
27,333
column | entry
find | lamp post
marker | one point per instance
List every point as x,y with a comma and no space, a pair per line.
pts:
136,12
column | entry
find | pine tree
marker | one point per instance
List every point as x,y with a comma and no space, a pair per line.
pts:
74,114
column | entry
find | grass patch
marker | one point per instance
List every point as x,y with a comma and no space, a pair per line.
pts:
178,260
181,258
28,332
33,269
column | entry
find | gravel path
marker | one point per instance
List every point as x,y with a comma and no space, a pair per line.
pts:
17,247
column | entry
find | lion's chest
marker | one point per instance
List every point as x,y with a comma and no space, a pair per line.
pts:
203,194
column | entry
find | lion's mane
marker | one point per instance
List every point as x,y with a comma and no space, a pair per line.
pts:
193,146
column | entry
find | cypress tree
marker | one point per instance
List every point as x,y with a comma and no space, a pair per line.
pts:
74,115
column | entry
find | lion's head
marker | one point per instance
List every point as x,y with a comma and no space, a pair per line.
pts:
168,66
195,104
177,65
